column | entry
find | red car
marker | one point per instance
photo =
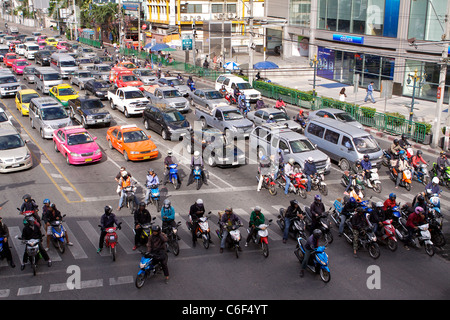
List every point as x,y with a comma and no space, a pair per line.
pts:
127,79
9,59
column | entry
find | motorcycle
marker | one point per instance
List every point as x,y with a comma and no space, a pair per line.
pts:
32,249
323,224
387,234
269,183
244,107
445,176
130,197
421,174
296,227
422,237
155,196
317,183
406,178
318,260
111,239
202,231
262,237
373,182
233,237
146,232
366,239
147,268
435,221
58,235
192,86
230,98
297,185
172,235
173,175
197,173
338,205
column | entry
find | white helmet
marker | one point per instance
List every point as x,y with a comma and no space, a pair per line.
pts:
435,180
124,173
291,160
199,201
197,154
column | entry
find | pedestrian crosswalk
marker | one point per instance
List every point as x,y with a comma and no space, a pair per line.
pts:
85,234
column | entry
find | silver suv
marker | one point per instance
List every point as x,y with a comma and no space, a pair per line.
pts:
47,115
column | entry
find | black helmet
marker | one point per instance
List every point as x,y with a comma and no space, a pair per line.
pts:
156,228
404,136
357,162
419,152
142,204
108,209
396,141
26,196
293,202
317,233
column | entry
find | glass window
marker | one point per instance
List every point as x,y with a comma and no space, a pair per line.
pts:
426,19
331,136
217,8
316,130
344,15
231,8
375,17
332,10
299,12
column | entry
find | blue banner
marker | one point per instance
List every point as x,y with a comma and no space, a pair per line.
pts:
348,39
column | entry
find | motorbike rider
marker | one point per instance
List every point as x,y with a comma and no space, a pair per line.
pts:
196,160
356,192
346,212
290,213
317,209
433,186
170,159
271,119
402,164
228,219
157,246
356,170
310,170
441,164
125,181
46,204
395,148
242,101
280,105
141,217
30,205
415,219
260,104
404,143
196,211
420,201
152,179
107,220
6,252
265,166
390,203
377,216
190,82
223,91
33,231
236,93
366,166
53,214
358,222
312,242
168,215
288,171
256,218
416,160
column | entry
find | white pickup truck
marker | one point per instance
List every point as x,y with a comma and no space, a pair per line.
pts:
129,100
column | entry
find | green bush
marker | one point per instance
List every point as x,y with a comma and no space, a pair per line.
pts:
368,112
394,119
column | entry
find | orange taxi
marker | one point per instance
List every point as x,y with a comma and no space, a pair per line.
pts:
121,66
132,142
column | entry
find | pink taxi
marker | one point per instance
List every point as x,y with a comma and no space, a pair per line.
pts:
19,64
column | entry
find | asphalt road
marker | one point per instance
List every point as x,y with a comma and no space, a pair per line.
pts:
81,192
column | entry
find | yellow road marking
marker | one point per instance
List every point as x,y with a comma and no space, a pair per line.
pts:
51,161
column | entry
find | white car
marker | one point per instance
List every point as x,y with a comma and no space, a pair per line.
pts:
20,49
232,81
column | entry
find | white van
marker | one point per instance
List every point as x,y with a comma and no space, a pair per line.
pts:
231,81
30,49
46,78
63,63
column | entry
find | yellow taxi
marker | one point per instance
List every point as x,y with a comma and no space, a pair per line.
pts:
63,93
51,42
23,98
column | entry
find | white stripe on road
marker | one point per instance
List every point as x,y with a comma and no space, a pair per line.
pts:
29,291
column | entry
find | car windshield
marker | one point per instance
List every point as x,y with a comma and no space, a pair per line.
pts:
52,76
211,95
26,98
45,53
33,48
344,116
99,84
29,70
366,144
173,116
67,92
4,51
84,75
129,78
174,82
104,69
84,61
133,95
299,146
21,63
105,59
51,40
87,50
146,73
3,117
92,104
11,141
129,66
244,86
134,136
232,115
11,57
7,80
69,63
79,138
172,94
54,113
280,116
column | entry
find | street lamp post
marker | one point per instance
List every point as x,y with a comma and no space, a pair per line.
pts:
313,63
421,80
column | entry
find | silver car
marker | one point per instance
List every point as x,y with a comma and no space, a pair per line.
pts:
259,117
80,77
175,83
14,154
101,71
29,74
208,98
146,76
335,114
46,115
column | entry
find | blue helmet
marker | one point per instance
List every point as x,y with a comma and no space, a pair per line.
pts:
352,200
46,201
401,152
392,196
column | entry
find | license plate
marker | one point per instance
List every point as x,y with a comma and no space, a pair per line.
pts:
235,163
15,165
88,159
147,157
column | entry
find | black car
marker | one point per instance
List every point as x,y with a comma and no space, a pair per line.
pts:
98,88
42,57
168,123
89,110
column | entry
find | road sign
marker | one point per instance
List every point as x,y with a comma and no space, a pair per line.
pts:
186,44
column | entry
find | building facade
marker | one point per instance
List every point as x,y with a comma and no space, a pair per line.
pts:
368,38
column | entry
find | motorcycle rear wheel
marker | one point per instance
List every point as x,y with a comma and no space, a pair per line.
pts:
302,193
113,253
324,189
325,275
273,190
377,187
374,250
61,247
236,251
392,245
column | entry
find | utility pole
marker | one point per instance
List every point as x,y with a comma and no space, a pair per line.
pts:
224,12
75,20
250,64
139,26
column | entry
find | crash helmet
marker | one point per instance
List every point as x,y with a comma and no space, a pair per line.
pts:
435,180
46,201
419,210
167,203
392,196
317,233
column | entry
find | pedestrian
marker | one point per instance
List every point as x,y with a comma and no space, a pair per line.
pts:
370,92
342,95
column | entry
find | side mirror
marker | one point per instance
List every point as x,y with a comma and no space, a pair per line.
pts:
95,138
